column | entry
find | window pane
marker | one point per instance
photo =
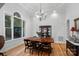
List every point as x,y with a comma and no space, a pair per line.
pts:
17,32
8,33
17,27
7,21
17,22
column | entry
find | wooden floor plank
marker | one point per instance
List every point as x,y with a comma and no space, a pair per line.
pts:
57,50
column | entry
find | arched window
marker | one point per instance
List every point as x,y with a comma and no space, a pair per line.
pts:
14,26
16,14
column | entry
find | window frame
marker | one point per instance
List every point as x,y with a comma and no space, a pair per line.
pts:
12,27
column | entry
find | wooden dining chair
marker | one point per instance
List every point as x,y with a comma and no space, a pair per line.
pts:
35,47
46,47
28,45
2,41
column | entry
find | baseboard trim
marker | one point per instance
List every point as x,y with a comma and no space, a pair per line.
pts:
59,42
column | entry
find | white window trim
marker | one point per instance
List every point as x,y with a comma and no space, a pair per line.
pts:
12,27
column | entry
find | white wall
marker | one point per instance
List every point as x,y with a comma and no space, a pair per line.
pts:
72,13
57,23
10,9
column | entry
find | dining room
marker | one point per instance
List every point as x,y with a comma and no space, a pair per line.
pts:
32,30
38,29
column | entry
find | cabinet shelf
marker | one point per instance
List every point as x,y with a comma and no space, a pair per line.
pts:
45,31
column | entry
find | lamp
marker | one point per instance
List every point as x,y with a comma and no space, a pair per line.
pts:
73,29
41,14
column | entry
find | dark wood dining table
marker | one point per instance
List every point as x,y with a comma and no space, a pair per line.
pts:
42,44
41,40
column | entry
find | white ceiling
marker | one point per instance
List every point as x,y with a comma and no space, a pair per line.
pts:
48,8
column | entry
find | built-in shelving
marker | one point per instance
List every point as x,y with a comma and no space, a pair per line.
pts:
46,31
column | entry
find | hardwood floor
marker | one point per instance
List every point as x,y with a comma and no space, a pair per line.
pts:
58,50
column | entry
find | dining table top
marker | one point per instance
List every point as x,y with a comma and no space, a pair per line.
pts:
41,40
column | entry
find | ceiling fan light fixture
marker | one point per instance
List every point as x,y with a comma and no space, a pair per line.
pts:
41,14
54,14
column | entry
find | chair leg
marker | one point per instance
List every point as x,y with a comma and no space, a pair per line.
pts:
38,53
41,53
25,49
48,53
2,54
30,50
